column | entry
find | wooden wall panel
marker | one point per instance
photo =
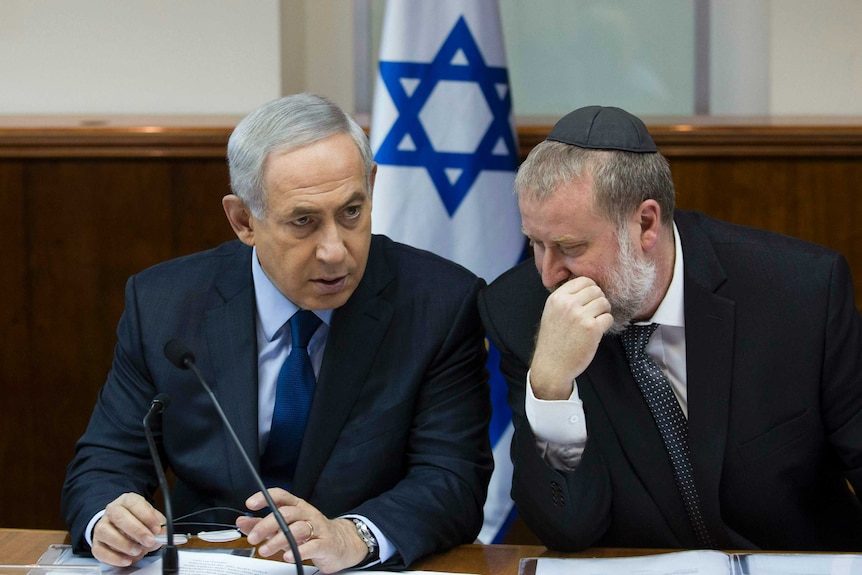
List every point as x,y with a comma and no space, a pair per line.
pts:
81,227
90,202
814,199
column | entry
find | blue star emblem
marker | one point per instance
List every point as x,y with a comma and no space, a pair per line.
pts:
408,142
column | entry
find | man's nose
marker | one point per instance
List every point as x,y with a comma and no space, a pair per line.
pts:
331,248
553,269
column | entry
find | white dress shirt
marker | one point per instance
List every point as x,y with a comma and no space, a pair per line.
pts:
560,426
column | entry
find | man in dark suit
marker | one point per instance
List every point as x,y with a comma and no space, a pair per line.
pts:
394,461
758,352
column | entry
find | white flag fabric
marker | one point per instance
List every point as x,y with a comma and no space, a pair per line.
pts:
443,137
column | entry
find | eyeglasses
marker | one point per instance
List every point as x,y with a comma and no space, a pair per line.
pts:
225,534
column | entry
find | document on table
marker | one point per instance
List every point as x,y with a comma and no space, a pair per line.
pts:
201,562
220,564
192,563
700,563
681,563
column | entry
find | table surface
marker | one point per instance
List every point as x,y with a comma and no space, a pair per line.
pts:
24,546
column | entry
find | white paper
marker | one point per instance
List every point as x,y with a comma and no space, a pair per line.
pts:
799,564
193,563
681,563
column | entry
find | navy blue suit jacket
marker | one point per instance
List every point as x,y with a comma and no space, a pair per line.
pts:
774,369
398,428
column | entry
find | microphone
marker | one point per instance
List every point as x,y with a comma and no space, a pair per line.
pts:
170,557
181,356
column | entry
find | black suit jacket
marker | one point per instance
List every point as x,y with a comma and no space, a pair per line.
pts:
773,346
398,428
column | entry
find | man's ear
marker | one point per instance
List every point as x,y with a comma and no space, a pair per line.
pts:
371,181
649,219
239,217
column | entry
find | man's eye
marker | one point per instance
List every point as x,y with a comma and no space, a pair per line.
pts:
352,211
303,221
570,251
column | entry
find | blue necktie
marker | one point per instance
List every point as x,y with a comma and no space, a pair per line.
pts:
293,393
671,421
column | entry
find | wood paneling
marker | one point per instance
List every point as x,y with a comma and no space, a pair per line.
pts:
90,201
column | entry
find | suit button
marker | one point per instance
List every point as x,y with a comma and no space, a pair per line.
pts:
557,496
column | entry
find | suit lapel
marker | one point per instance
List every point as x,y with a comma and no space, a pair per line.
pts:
635,428
356,333
709,328
232,345
709,320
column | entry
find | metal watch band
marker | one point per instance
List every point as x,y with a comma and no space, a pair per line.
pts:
368,538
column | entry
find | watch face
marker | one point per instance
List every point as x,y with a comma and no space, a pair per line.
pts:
366,535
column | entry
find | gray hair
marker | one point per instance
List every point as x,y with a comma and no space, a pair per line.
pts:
283,125
621,180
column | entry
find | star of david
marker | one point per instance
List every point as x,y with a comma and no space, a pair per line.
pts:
408,144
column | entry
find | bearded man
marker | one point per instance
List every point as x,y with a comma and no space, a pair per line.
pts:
688,383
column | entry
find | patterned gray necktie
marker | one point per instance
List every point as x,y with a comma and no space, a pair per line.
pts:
670,420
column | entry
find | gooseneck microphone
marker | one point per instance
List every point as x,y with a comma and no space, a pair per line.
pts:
181,356
170,557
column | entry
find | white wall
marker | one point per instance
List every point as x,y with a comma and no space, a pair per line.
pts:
816,59
775,57
740,57
138,56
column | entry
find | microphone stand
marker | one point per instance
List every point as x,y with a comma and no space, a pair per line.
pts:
170,556
178,354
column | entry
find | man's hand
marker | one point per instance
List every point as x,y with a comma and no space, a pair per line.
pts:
576,316
126,532
332,545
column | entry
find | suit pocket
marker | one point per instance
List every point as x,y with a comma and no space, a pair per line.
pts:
778,438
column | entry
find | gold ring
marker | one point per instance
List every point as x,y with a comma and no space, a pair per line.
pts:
310,529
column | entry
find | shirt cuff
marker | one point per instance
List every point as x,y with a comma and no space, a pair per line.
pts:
558,421
88,532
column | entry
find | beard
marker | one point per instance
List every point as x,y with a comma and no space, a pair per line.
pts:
628,284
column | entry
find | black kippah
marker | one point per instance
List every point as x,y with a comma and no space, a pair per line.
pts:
603,128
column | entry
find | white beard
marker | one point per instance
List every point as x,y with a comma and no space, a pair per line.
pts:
629,284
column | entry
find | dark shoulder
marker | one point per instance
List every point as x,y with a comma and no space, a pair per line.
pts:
228,263
515,299
516,285
736,244
418,267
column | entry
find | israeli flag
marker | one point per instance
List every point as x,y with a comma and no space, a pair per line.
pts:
443,137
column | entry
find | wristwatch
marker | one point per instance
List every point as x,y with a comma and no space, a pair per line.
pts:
370,541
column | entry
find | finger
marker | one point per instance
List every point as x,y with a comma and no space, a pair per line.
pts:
268,527
281,497
303,532
134,518
606,320
246,523
597,307
110,556
113,546
576,284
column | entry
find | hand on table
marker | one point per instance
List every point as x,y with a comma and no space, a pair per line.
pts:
331,544
126,532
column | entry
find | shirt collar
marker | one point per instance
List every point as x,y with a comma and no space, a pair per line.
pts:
671,309
273,308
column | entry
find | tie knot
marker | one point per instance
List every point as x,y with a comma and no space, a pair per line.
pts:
635,338
303,324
